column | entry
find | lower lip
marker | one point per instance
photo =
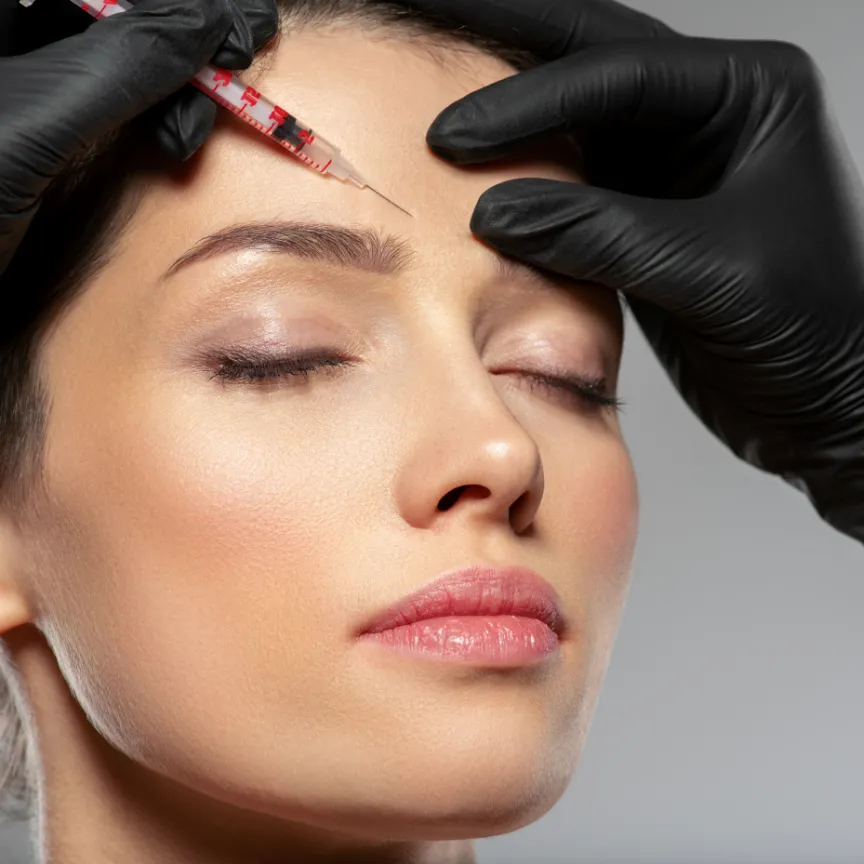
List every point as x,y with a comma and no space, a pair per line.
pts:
500,640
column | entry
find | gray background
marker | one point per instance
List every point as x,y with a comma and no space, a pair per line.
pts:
729,727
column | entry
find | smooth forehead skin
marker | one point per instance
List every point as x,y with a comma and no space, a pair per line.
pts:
205,552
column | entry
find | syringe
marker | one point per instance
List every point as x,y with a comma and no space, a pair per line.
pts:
249,104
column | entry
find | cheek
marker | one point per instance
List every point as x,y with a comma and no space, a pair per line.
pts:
592,504
196,551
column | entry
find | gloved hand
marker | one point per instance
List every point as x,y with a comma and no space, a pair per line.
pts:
723,205
64,96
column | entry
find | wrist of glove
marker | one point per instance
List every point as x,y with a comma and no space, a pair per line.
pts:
70,92
723,204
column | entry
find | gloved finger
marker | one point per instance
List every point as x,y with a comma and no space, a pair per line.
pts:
116,69
255,24
549,28
185,122
189,115
653,83
595,235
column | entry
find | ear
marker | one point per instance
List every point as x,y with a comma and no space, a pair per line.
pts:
16,602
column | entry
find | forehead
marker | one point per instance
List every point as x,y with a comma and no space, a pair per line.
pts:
374,98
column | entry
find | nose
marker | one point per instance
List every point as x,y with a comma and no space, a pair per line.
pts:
470,460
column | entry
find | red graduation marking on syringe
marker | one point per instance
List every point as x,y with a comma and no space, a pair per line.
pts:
222,78
87,7
278,116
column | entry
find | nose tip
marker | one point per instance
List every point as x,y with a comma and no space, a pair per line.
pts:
519,512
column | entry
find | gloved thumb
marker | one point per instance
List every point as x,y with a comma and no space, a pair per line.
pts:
651,249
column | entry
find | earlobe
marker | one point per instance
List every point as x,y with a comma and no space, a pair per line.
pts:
16,607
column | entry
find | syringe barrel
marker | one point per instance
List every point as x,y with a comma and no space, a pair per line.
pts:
280,125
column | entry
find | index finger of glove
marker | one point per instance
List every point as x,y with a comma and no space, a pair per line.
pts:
549,28
644,82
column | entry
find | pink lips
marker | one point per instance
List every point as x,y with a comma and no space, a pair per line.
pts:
503,617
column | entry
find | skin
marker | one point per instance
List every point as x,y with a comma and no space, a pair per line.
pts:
182,603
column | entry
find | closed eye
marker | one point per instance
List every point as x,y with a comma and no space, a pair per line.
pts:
262,369
586,390
257,368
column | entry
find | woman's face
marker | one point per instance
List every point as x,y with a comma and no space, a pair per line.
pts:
207,548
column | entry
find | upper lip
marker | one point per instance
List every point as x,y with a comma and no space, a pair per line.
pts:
478,590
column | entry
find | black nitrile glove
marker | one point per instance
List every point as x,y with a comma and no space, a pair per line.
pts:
62,97
723,205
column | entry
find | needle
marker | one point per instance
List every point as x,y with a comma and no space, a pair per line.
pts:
389,201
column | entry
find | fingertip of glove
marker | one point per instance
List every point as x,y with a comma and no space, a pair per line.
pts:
237,51
519,208
493,217
504,197
463,135
449,138
254,24
185,124
444,151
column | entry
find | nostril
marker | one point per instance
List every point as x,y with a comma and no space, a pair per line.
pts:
451,498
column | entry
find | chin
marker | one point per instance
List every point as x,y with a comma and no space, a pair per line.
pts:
479,817
444,802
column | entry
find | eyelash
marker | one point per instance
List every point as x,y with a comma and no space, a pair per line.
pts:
254,367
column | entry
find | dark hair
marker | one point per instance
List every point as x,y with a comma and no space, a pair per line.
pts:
67,244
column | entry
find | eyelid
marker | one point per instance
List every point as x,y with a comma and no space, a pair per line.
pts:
555,347
593,391
584,371
577,385
234,366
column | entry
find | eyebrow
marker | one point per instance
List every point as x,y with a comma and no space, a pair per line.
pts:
356,248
